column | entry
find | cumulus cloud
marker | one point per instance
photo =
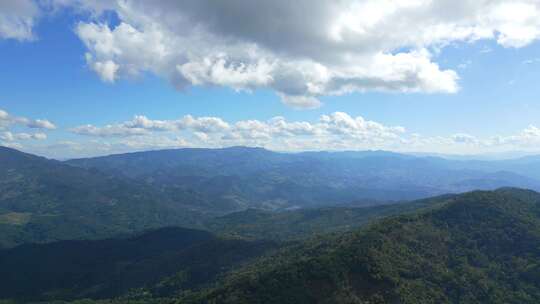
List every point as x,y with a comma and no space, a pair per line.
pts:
40,124
141,125
11,128
7,136
333,131
7,119
343,47
528,137
17,19
276,133
119,130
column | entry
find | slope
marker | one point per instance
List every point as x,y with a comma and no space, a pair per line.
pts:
112,267
479,247
44,200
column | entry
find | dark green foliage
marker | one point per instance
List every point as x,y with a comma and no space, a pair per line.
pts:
44,200
480,247
167,261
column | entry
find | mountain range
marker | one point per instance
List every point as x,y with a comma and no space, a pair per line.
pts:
237,178
248,225
43,200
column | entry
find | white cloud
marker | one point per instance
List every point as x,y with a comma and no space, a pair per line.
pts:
527,138
342,124
141,125
17,18
11,126
300,101
276,133
7,136
154,142
106,70
202,124
343,47
118,130
7,119
517,22
40,124
334,131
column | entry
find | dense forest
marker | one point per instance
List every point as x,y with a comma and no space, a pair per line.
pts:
86,231
479,247
476,247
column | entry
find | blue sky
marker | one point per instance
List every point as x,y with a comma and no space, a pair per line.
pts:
53,73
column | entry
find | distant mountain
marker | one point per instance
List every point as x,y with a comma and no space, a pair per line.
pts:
169,259
478,247
44,200
239,178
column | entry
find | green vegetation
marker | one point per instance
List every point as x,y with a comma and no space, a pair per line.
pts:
43,200
477,247
480,247
168,261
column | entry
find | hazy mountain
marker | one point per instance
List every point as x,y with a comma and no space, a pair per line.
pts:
237,178
44,200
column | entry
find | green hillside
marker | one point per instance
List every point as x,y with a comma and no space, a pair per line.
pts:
480,247
43,200
477,247
168,260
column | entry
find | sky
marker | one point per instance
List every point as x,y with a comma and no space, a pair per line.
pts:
86,78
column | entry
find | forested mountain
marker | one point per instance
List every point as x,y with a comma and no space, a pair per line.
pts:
479,247
237,178
43,200
460,248
167,259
